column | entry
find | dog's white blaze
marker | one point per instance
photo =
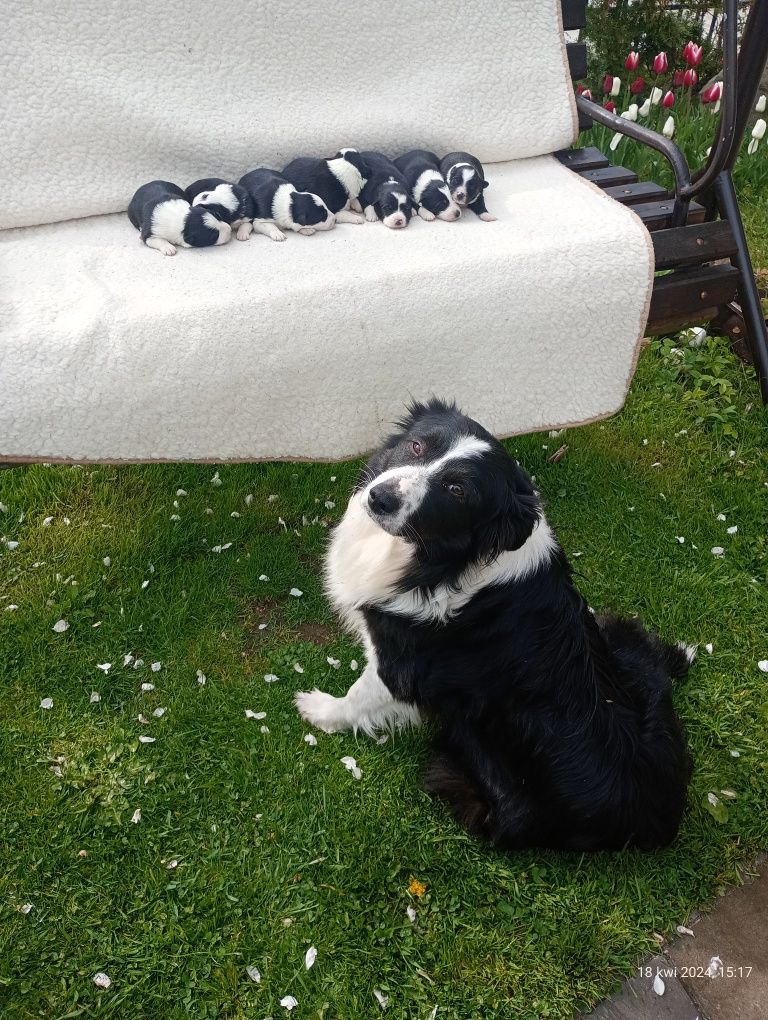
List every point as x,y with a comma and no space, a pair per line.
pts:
224,229
168,219
348,176
281,206
425,177
222,194
511,565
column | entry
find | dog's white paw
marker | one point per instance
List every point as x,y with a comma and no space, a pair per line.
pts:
244,231
307,231
426,214
487,217
276,235
370,214
354,205
160,244
320,709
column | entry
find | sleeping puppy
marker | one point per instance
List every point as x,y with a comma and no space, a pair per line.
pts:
556,728
466,182
428,189
386,195
228,202
164,218
338,181
276,203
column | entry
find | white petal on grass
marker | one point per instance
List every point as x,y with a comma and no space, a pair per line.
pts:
144,585
216,481
46,703
763,665
263,729
234,514
11,545
309,957
682,930
146,740
311,739
11,608
298,668
175,517
181,492
296,592
159,713
263,577
717,550
658,985
733,529
272,498
102,980
127,659
270,678
709,647
735,754
381,998
60,626
201,677
254,715
156,667
136,816
172,864
728,794
411,914
143,719
350,765
221,548
249,499
288,1002
329,504
95,697
3,508
680,539
25,908
138,664
262,626
254,974
146,687
47,521
353,665
721,517
333,662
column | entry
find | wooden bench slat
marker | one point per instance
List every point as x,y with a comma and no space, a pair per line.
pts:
608,176
640,191
577,59
689,296
694,244
578,160
574,14
658,215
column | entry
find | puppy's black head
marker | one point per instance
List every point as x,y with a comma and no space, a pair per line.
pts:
437,199
309,210
393,205
464,183
446,485
202,229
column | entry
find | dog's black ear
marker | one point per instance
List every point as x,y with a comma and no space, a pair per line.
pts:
485,184
511,527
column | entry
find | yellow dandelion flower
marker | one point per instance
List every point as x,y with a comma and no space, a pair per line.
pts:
416,888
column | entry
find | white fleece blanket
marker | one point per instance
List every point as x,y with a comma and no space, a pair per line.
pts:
310,347
97,98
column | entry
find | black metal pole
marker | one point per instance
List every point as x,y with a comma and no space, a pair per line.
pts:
751,308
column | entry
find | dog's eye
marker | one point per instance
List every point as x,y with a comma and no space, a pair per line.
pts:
455,490
415,446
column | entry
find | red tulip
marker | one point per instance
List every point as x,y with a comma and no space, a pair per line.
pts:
607,83
693,54
587,94
633,60
669,100
660,63
609,105
637,86
690,78
678,78
580,89
712,92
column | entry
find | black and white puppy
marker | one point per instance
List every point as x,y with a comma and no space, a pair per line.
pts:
276,203
227,201
164,218
385,195
338,181
556,728
466,182
429,191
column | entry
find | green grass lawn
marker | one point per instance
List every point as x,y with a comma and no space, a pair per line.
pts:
274,845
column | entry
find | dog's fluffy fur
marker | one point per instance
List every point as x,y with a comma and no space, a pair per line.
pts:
556,727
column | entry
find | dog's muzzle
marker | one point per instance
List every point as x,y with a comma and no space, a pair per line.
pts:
384,500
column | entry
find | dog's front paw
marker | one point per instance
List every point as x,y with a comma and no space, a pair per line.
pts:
306,231
370,214
487,217
320,709
426,214
244,231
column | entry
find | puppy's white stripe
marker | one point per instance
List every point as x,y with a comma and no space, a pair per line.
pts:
168,219
348,176
281,206
425,178
222,194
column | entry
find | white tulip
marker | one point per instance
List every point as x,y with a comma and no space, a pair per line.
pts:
760,105
616,87
708,152
632,112
758,131
615,142
752,147
656,96
645,109
716,108
669,127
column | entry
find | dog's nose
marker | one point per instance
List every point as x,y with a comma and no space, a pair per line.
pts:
461,197
383,500
400,221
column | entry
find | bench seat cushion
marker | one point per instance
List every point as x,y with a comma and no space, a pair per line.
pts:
308,348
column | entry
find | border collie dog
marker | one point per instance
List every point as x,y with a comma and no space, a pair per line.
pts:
429,191
338,181
386,195
555,727
164,218
466,182
227,201
276,203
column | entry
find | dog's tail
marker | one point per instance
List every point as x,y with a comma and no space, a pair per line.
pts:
678,657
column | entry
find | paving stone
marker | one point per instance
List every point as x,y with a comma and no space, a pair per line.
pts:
735,931
636,1000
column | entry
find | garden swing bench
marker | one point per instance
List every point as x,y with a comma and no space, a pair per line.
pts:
308,349
702,242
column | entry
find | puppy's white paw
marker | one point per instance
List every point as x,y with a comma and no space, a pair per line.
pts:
244,231
426,214
276,235
160,244
347,216
487,217
370,214
320,709
354,205
307,231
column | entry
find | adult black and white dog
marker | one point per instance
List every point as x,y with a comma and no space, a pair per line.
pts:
338,181
277,203
556,727
429,191
164,218
227,201
386,195
466,182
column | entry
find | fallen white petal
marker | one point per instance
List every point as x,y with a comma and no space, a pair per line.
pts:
136,816
102,980
181,492
733,529
682,930
353,665
715,968
12,545
329,504
95,697
411,914
288,1002
298,668
127,659
658,985
138,664
382,739
270,678
263,729
735,754
10,609
310,957
709,647
156,667
216,481
254,974
381,998
296,592
249,499
333,662
175,517
721,517
47,521
46,703
144,584
348,762
729,794
272,498
763,665
147,687
311,739
25,908
3,508
60,626
234,514
201,677
262,626
263,577
172,864
221,548
717,550
713,799
254,715
680,539
146,740
159,713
